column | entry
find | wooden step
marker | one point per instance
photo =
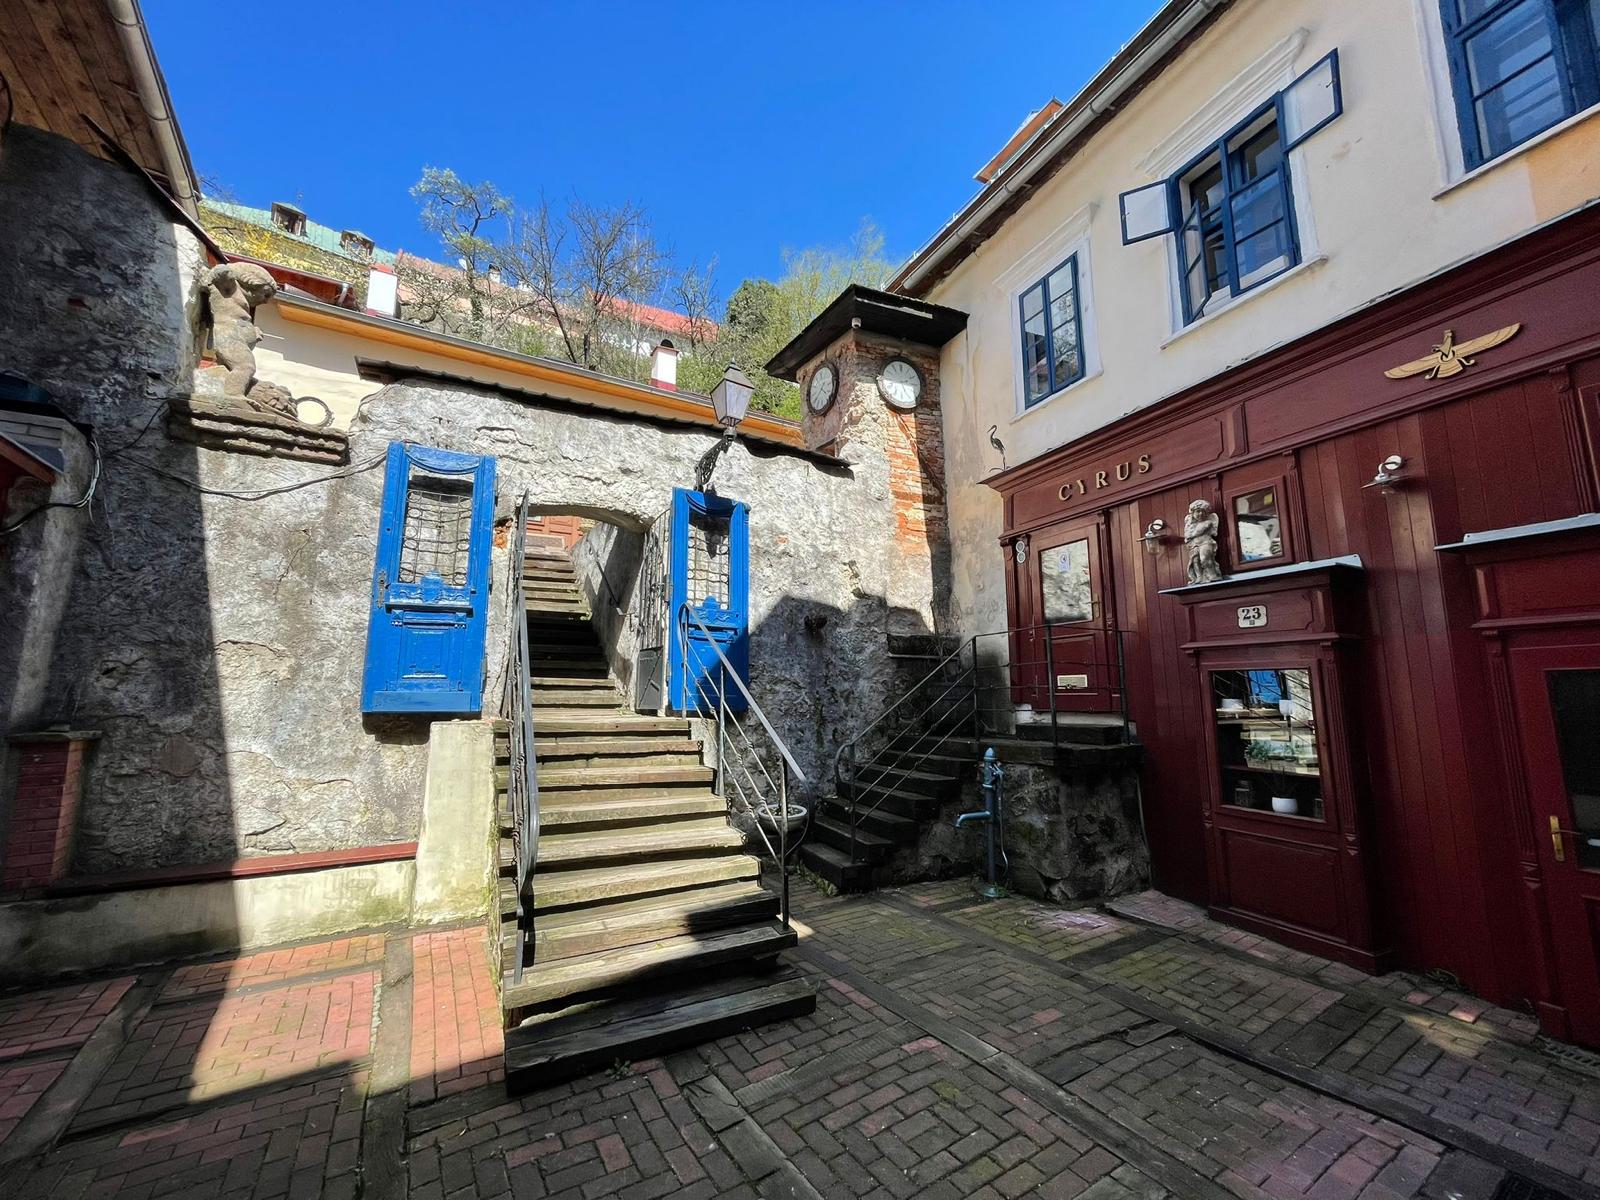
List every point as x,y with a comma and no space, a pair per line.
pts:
600,747
831,831
576,697
562,683
544,982
585,810
675,839
561,1046
898,829
550,721
600,927
563,889
556,778
834,866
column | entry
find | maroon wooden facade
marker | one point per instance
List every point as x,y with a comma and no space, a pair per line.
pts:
1440,853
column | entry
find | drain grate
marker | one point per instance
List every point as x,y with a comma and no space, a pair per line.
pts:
1575,1057
1515,1187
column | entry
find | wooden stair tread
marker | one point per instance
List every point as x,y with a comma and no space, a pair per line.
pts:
543,982
554,721
585,810
621,776
622,912
829,821
561,1046
683,837
601,746
559,889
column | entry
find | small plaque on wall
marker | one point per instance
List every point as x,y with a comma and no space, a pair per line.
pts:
1252,616
1072,683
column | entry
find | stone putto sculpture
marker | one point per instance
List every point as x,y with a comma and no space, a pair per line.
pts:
1200,541
230,409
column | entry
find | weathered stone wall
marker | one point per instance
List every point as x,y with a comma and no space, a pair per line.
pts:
1072,832
606,564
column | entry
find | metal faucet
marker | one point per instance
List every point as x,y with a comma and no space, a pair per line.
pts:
989,776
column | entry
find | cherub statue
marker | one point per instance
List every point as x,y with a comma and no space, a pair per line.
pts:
1200,540
233,292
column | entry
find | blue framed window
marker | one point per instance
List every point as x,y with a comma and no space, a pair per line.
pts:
1519,67
1052,334
1231,208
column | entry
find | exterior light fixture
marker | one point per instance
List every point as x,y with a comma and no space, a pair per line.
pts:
731,397
1153,536
1388,473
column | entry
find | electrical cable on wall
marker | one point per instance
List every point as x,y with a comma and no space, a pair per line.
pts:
82,501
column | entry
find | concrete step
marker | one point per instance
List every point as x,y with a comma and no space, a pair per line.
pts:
558,1047
833,865
589,885
557,778
831,831
620,923
586,812
546,982
676,839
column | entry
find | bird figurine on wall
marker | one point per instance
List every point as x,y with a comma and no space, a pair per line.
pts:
1448,358
994,440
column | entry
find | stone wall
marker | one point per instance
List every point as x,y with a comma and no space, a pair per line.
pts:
1072,832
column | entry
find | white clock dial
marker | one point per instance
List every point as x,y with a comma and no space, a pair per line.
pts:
824,383
900,384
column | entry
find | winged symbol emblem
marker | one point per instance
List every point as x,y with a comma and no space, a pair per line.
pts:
1450,357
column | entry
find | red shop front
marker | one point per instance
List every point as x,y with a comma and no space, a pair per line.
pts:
1376,736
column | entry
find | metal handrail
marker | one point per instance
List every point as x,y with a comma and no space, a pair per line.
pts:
728,783
522,786
890,757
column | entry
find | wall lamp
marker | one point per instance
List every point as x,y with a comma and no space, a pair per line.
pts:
1388,474
1154,535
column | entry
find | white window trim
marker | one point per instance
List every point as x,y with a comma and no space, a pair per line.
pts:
1448,135
1303,267
1067,240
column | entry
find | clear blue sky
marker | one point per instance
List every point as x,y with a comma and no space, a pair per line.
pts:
742,128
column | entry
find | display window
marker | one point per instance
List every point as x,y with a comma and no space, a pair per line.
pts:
1266,730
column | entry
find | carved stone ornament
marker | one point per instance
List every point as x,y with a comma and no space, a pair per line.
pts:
230,409
1200,543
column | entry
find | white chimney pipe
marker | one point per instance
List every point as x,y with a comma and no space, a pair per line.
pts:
664,366
383,290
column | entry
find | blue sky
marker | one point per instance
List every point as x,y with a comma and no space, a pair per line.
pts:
742,128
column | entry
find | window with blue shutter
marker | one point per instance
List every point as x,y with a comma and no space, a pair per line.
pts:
1052,334
429,608
1519,67
1231,209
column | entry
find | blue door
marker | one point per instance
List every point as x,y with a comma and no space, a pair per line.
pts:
710,573
430,583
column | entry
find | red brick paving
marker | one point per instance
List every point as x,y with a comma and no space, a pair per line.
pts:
884,1091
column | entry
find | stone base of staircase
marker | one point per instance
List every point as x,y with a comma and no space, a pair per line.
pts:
646,926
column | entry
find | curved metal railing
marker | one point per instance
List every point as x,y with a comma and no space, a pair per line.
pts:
522,787
759,789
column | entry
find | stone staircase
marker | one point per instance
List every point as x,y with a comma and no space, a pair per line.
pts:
647,925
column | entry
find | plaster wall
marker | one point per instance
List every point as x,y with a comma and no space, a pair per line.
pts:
1382,203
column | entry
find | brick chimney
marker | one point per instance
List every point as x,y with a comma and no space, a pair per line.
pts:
383,290
664,366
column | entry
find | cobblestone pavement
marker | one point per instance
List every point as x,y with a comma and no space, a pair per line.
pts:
959,1049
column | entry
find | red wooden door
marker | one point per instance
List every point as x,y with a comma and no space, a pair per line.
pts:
1066,647
1558,709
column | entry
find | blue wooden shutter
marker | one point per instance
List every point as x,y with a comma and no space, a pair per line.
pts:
430,583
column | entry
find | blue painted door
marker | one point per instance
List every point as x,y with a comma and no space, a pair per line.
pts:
430,583
710,572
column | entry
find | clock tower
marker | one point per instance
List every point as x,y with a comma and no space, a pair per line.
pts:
868,370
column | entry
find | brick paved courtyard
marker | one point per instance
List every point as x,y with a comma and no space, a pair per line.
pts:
958,1049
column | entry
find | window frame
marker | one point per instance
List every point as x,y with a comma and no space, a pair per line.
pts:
1219,149
1458,32
1244,486
1042,284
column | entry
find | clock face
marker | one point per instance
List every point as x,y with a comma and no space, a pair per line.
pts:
824,385
900,383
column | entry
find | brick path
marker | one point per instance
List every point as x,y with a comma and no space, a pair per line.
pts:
959,1049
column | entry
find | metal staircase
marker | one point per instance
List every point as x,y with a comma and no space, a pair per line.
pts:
895,774
630,919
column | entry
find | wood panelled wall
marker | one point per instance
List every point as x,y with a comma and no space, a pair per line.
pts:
1518,449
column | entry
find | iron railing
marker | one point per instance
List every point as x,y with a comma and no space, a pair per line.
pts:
522,787
761,790
976,691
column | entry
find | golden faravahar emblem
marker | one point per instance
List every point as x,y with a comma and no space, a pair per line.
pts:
1449,358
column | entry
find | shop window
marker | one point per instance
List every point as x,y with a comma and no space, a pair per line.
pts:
1575,704
1266,722
1518,67
1052,334
1066,583
1258,526
1231,208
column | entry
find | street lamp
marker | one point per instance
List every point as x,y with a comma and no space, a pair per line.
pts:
731,397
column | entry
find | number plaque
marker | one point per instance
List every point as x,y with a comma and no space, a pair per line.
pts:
1252,616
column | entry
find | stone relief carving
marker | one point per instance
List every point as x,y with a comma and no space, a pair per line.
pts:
230,409
1200,543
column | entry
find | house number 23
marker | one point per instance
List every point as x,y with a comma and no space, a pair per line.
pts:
1252,616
